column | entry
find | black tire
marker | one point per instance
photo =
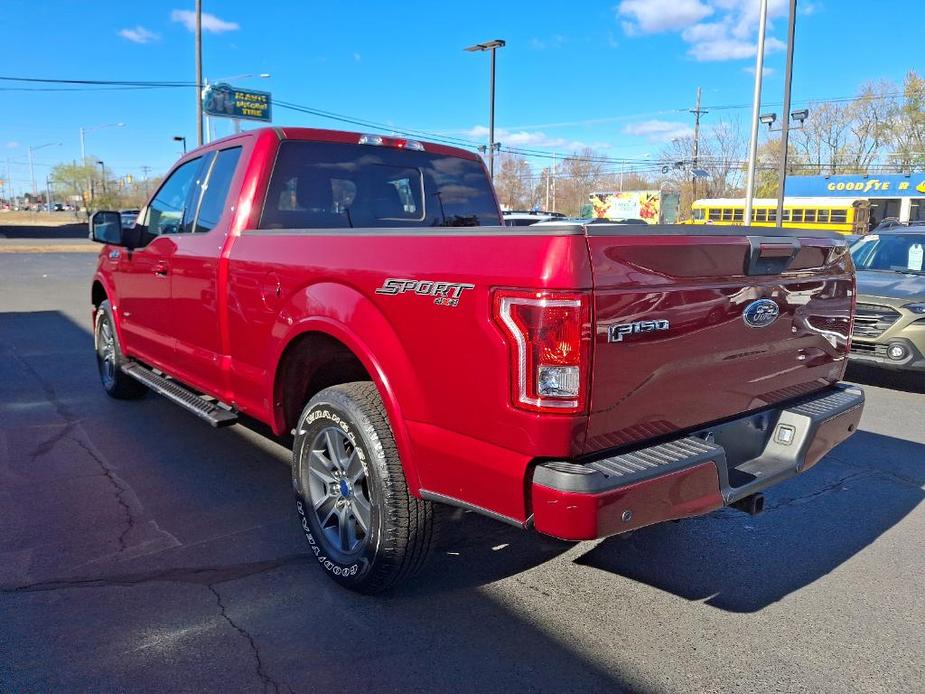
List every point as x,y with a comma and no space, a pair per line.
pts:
399,528
109,358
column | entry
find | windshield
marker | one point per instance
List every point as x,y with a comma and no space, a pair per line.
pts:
326,185
890,252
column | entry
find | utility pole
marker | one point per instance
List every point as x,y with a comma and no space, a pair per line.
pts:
199,72
545,209
9,181
32,173
785,126
554,166
697,113
756,111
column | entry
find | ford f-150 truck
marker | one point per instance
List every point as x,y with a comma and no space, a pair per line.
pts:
360,293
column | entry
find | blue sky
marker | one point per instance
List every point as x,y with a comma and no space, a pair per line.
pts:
617,75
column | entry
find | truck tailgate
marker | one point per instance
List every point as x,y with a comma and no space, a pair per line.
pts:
680,340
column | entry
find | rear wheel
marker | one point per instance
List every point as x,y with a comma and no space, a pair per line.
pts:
109,358
362,524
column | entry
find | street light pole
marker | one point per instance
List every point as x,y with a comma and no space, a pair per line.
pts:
32,165
756,108
199,72
89,129
490,46
180,138
785,126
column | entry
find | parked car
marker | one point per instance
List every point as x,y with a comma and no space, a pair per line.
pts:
128,218
360,292
889,328
522,219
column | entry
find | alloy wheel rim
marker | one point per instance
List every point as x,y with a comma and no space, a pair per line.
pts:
338,488
107,353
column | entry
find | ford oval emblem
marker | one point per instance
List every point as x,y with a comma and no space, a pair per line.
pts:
761,313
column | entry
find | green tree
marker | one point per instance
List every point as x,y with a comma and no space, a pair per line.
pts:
74,179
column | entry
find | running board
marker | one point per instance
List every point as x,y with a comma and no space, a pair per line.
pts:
213,413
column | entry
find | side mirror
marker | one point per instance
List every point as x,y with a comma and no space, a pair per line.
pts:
106,227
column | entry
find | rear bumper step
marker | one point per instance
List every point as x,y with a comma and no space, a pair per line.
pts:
695,474
213,413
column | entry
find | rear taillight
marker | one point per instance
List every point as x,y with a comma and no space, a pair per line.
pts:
549,336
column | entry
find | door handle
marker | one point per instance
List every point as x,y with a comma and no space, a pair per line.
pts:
160,269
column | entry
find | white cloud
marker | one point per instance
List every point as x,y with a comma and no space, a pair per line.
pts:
357,57
658,130
209,21
139,35
730,33
12,144
526,138
653,16
765,72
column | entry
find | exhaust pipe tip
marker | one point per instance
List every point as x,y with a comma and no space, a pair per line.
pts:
752,504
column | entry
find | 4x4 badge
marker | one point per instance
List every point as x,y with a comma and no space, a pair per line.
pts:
444,293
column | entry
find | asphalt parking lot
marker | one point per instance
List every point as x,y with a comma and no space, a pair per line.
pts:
141,550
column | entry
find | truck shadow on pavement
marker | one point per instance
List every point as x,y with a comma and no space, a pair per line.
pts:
811,526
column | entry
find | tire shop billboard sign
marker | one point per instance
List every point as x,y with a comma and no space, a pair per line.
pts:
224,101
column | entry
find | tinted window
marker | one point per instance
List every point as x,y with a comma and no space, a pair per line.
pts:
216,189
738,215
165,212
715,215
823,217
727,214
899,252
839,216
334,185
809,216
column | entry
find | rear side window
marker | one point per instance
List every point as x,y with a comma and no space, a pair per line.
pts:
216,190
327,185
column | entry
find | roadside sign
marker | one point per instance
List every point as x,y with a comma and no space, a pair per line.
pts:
224,101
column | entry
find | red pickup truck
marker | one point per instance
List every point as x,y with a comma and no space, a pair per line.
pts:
360,293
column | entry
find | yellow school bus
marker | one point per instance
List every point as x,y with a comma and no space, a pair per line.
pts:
847,215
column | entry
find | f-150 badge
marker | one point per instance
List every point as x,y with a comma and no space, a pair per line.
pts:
443,293
618,332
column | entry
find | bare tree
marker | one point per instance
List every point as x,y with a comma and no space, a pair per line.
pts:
513,179
906,125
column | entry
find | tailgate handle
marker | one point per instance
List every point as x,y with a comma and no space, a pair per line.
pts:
770,255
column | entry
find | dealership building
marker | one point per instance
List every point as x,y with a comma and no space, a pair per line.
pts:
901,196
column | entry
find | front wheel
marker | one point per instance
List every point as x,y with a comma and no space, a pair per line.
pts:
362,524
109,358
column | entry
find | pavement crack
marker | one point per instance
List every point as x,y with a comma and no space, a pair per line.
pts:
822,491
51,395
70,424
118,486
268,682
200,575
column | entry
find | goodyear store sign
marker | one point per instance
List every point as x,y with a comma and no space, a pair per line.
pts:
858,186
226,101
